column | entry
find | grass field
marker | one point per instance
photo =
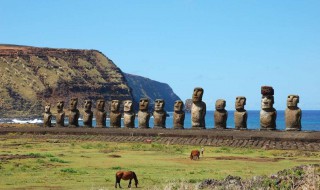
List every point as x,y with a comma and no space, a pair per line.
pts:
80,164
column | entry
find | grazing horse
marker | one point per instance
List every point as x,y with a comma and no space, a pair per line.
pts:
195,154
126,175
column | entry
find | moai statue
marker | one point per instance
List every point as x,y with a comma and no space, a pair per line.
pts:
87,114
159,114
178,115
101,114
143,114
60,114
198,110
240,115
115,114
268,114
220,115
293,114
74,113
128,114
47,116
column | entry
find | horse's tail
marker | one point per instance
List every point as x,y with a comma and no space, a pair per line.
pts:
135,178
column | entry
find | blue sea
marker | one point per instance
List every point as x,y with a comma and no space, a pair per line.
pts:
310,120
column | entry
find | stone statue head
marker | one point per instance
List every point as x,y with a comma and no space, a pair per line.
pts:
144,104
197,94
240,102
220,104
100,104
292,101
60,105
127,105
115,105
178,105
73,103
159,105
87,105
47,108
267,101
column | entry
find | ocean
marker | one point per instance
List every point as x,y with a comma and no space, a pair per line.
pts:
310,120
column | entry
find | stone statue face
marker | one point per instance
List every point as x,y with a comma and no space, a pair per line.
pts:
144,104
115,105
73,103
87,105
47,108
220,104
197,95
240,102
267,102
159,105
292,101
127,105
60,105
178,105
100,105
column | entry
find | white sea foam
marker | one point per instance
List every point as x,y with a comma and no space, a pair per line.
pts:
21,121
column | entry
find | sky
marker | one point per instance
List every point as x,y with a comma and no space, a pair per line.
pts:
229,48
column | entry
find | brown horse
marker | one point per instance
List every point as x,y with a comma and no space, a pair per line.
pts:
126,175
195,154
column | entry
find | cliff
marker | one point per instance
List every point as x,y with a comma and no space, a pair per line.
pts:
31,76
146,88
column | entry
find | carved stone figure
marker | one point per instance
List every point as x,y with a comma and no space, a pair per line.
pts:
101,114
159,114
293,114
60,114
198,110
220,115
240,115
115,114
143,114
74,113
87,114
128,115
178,115
268,114
47,116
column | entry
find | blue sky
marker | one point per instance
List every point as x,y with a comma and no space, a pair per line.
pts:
230,48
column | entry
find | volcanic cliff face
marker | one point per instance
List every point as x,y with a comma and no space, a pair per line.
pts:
31,76
146,88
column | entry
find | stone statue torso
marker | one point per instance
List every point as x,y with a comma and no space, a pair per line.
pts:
293,119
240,119
47,119
128,119
143,119
60,119
87,118
115,119
73,118
160,119
220,119
178,120
198,112
101,118
268,119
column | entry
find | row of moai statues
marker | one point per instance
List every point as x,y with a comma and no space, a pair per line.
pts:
268,113
144,115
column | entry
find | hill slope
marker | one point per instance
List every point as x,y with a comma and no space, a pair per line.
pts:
146,88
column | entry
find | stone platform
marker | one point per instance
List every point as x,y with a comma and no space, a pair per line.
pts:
282,140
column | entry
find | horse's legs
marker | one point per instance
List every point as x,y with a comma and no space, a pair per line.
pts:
129,183
118,182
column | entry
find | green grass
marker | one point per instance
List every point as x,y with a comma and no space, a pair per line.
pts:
93,164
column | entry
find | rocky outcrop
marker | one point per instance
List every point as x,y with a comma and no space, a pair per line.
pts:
31,76
146,88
